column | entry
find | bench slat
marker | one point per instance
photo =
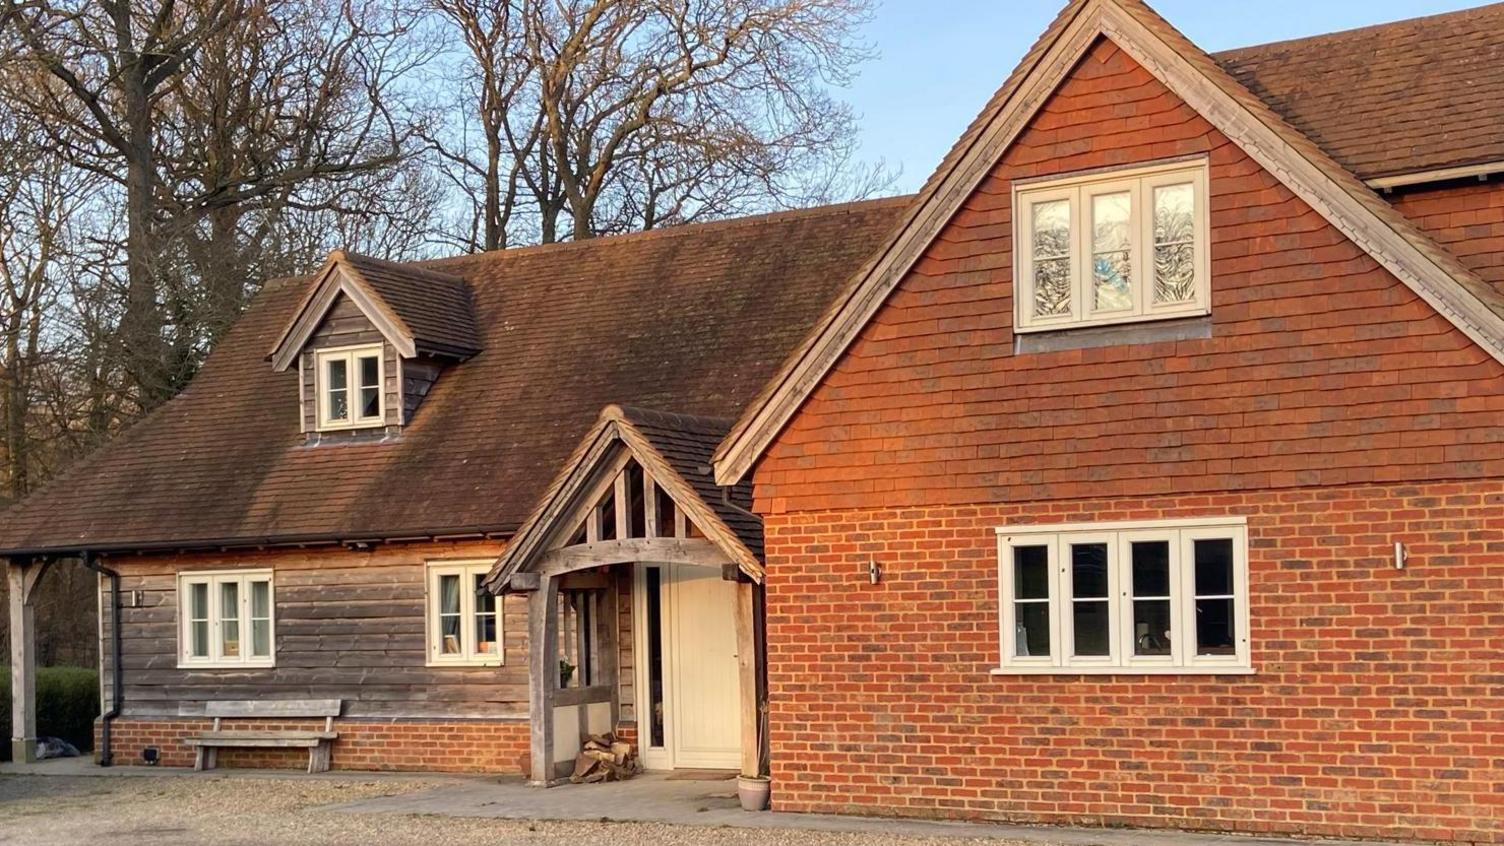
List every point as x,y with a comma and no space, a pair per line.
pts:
269,708
269,739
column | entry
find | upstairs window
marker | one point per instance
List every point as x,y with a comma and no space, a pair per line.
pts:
225,619
1124,598
349,381
1109,248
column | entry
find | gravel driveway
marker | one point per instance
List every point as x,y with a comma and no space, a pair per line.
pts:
233,810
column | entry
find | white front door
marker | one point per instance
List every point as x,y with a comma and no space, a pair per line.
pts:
701,684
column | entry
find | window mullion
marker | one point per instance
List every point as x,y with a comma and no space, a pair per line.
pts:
1081,261
1058,654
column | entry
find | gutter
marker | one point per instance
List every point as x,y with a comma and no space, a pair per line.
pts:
117,672
269,541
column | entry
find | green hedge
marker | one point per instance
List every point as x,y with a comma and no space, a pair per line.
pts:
67,703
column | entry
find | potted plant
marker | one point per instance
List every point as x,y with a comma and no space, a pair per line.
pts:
754,792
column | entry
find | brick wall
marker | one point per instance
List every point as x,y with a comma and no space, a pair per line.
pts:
1375,710
488,746
1331,406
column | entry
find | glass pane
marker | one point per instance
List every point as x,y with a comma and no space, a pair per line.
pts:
1031,572
1052,229
1109,223
261,638
261,595
1215,629
1174,214
339,405
1151,568
1174,244
370,402
1214,567
1089,570
485,619
1090,628
198,642
229,619
1032,628
1052,287
449,634
449,594
198,601
449,614
1111,274
1151,627
337,375
198,617
1174,273
370,371
653,588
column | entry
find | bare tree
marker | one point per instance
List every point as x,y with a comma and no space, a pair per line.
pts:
211,109
610,115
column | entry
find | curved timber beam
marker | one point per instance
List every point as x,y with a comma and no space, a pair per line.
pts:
695,551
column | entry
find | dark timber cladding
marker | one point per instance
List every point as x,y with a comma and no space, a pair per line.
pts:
349,625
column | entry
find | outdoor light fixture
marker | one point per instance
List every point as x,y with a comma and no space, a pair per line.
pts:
1401,555
151,755
874,571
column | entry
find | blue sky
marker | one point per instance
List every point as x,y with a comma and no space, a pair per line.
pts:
939,60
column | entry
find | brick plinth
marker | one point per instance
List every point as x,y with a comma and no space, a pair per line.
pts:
478,746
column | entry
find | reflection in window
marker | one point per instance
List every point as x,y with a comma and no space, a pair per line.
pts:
1090,603
1031,592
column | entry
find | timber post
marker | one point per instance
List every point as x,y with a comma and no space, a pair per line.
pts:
22,578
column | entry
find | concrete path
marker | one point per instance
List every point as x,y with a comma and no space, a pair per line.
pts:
660,799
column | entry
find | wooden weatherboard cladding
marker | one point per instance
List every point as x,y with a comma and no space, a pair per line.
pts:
346,325
349,625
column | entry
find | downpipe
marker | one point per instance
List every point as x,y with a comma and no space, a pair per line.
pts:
117,672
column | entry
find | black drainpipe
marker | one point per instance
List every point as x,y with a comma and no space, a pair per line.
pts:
117,673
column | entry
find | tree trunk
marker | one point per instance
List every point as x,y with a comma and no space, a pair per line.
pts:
141,325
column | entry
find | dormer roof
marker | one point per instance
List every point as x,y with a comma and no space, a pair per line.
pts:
417,310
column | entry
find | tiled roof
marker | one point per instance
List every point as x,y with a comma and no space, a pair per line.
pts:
1415,95
694,319
687,443
435,306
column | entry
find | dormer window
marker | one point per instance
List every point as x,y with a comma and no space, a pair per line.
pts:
349,381
1117,247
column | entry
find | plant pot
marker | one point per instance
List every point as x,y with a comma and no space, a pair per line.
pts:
754,791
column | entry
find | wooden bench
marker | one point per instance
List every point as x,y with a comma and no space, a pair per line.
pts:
317,743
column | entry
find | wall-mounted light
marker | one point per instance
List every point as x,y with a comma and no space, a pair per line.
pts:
1401,555
874,571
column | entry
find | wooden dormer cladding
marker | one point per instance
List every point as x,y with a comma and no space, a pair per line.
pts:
422,321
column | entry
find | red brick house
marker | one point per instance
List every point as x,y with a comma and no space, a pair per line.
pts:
1145,468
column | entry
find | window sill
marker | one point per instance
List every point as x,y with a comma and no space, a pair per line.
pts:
1124,671
1143,330
489,662
227,665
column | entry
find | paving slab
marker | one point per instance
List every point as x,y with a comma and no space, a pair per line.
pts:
660,799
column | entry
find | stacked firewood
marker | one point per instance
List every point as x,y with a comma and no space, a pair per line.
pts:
604,758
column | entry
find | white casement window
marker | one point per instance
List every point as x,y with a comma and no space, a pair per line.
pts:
1168,597
349,381
464,619
1116,247
226,619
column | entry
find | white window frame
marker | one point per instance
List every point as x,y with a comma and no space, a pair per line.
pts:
1181,536
216,659
467,570
1139,183
351,356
